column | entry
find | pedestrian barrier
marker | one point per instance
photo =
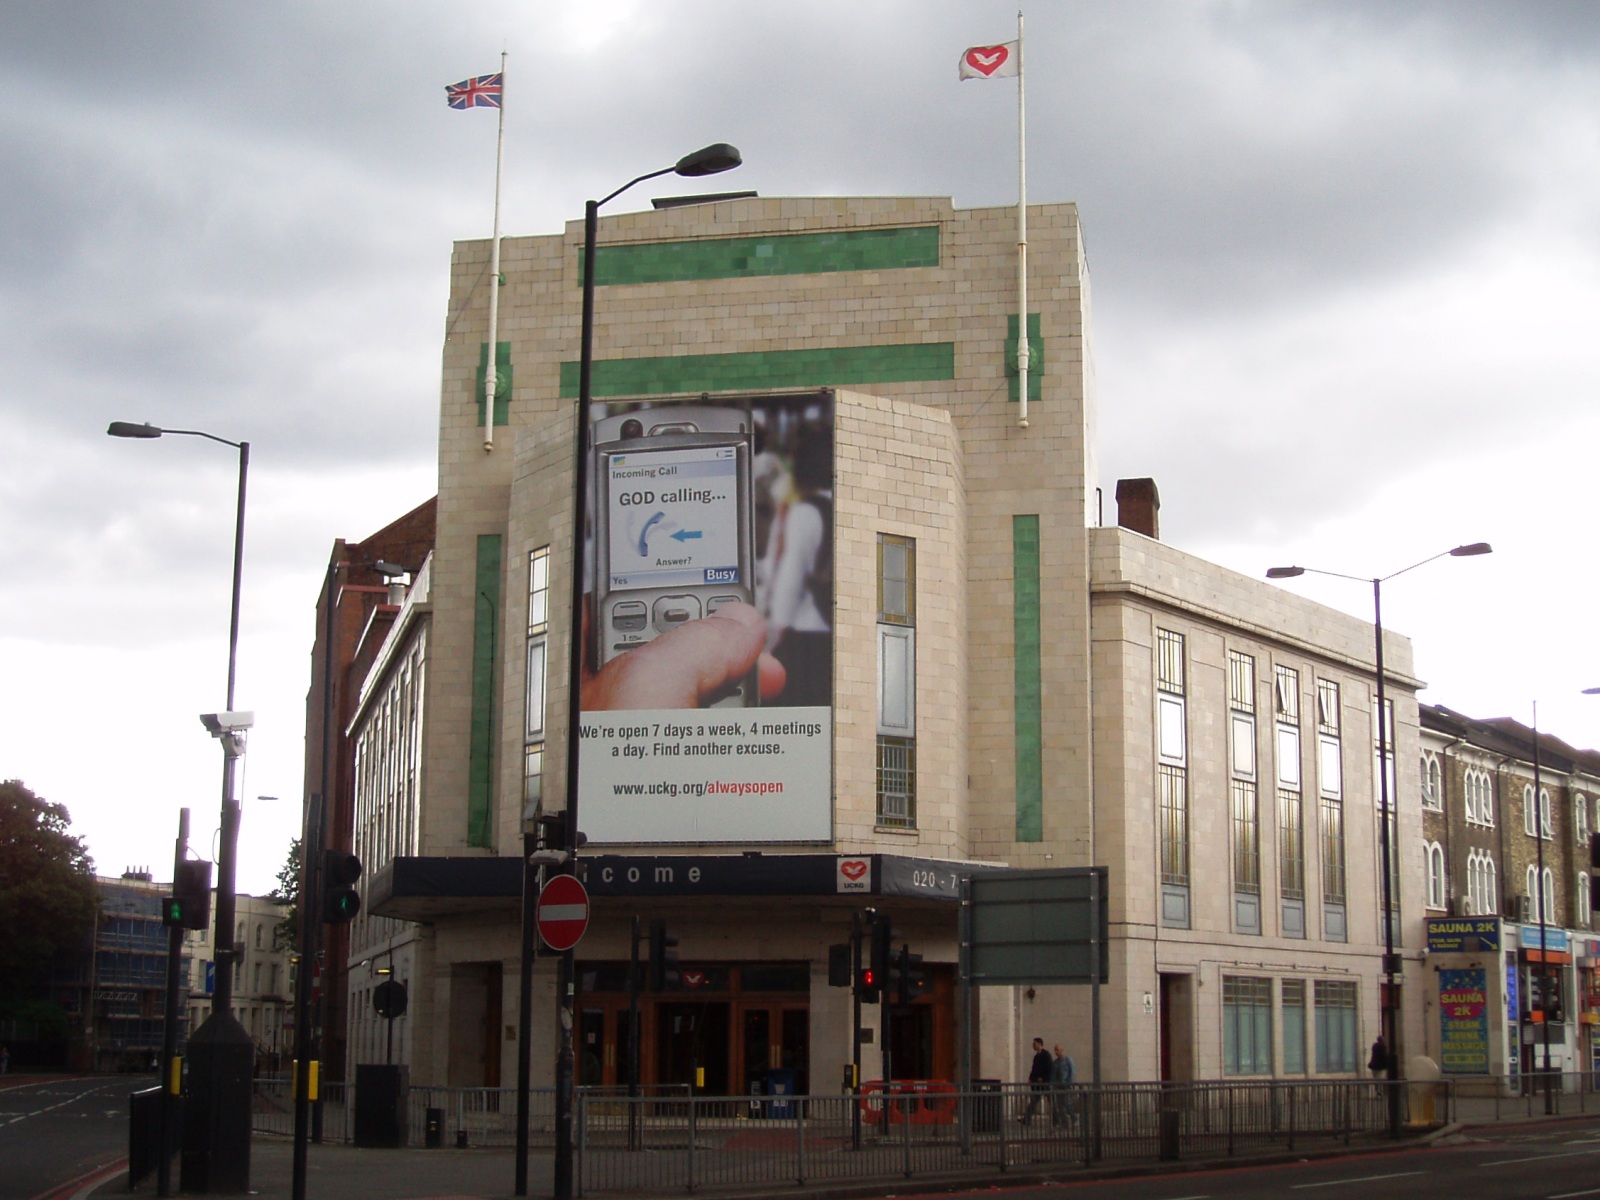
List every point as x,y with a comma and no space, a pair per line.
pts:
917,1101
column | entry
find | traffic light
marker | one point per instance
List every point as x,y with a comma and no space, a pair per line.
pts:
189,906
910,980
869,985
883,932
340,900
839,965
664,974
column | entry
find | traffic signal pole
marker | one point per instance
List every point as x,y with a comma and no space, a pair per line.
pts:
170,1072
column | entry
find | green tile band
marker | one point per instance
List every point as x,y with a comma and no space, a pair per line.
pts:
1027,685
485,631
787,254
830,366
502,381
1035,357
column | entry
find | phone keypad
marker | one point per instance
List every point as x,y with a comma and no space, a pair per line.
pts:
673,611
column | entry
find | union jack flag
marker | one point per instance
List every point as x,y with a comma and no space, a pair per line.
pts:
482,92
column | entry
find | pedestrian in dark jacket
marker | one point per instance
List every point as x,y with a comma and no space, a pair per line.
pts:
1038,1079
1378,1063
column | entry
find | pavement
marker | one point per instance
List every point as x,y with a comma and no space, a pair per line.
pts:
341,1172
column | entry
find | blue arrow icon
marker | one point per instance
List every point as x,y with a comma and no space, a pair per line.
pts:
684,535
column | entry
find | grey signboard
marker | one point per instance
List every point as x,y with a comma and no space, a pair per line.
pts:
1038,927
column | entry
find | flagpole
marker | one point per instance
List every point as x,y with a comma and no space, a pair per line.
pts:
491,368
1022,234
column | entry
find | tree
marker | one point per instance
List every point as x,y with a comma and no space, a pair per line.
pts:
286,933
48,900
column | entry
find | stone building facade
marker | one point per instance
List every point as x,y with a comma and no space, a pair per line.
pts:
1007,685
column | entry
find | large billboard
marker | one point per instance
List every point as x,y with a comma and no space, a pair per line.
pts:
707,710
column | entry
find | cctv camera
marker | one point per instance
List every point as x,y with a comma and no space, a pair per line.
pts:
218,724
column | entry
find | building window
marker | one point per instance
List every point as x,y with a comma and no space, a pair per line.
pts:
1580,819
1291,804
1582,914
1246,1026
1534,891
1172,746
1432,792
897,682
1246,804
1482,885
897,580
1294,1026
534,681
1330,788
1434,853
1338,1047
1478,798
897,782
1174,827
258,935
1246,832
1536,815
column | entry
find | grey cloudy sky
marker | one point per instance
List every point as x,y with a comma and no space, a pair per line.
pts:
1345,285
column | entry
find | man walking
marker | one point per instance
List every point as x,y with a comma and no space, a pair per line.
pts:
1038,1079
1062,1072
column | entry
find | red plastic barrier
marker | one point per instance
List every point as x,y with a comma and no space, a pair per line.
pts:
918,1101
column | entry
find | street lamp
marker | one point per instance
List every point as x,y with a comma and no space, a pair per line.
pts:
1391,961
710,160
220,1052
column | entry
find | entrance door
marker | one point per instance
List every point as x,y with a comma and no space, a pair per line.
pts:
911,1041
1177,1027
475,1025
690,1038
773,1037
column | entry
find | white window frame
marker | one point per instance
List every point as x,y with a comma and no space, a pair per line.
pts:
1434,853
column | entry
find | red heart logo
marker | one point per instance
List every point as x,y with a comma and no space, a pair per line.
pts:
694,978
853,869
986,60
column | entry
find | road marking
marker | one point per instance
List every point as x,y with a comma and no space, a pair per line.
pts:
1360,1179
1503,1162
1565,1195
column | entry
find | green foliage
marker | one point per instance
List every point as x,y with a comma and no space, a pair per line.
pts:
48,900
286,933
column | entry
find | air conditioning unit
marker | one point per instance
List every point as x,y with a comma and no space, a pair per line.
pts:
1524,907
1460,906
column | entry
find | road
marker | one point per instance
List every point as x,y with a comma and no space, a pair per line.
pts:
1558,1161
56,1131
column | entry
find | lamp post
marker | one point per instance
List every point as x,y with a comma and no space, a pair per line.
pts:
710,160
217,1145
1391,962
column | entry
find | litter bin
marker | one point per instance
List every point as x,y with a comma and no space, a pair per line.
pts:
986,1105
780,1083
433,1129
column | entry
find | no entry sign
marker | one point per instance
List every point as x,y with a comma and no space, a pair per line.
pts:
563,912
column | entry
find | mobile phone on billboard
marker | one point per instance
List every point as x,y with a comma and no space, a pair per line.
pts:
673,526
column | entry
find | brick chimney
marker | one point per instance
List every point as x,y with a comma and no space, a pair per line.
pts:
1139,506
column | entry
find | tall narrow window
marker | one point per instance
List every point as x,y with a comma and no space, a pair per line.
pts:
1581,915
1337,1044
1294,1026
534,693
897,682
1434,854
1246,1025
1291,805
1243,793
1580,819
1432,789
1330,790
1172,772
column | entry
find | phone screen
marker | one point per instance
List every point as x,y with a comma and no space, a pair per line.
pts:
674,518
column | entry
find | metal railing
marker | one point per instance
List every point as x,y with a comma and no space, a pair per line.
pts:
665,1139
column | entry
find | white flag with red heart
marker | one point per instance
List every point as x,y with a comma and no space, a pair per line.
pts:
990,62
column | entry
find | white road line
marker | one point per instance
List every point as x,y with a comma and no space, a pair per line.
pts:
1359,1179
1565,1195
1504,1162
